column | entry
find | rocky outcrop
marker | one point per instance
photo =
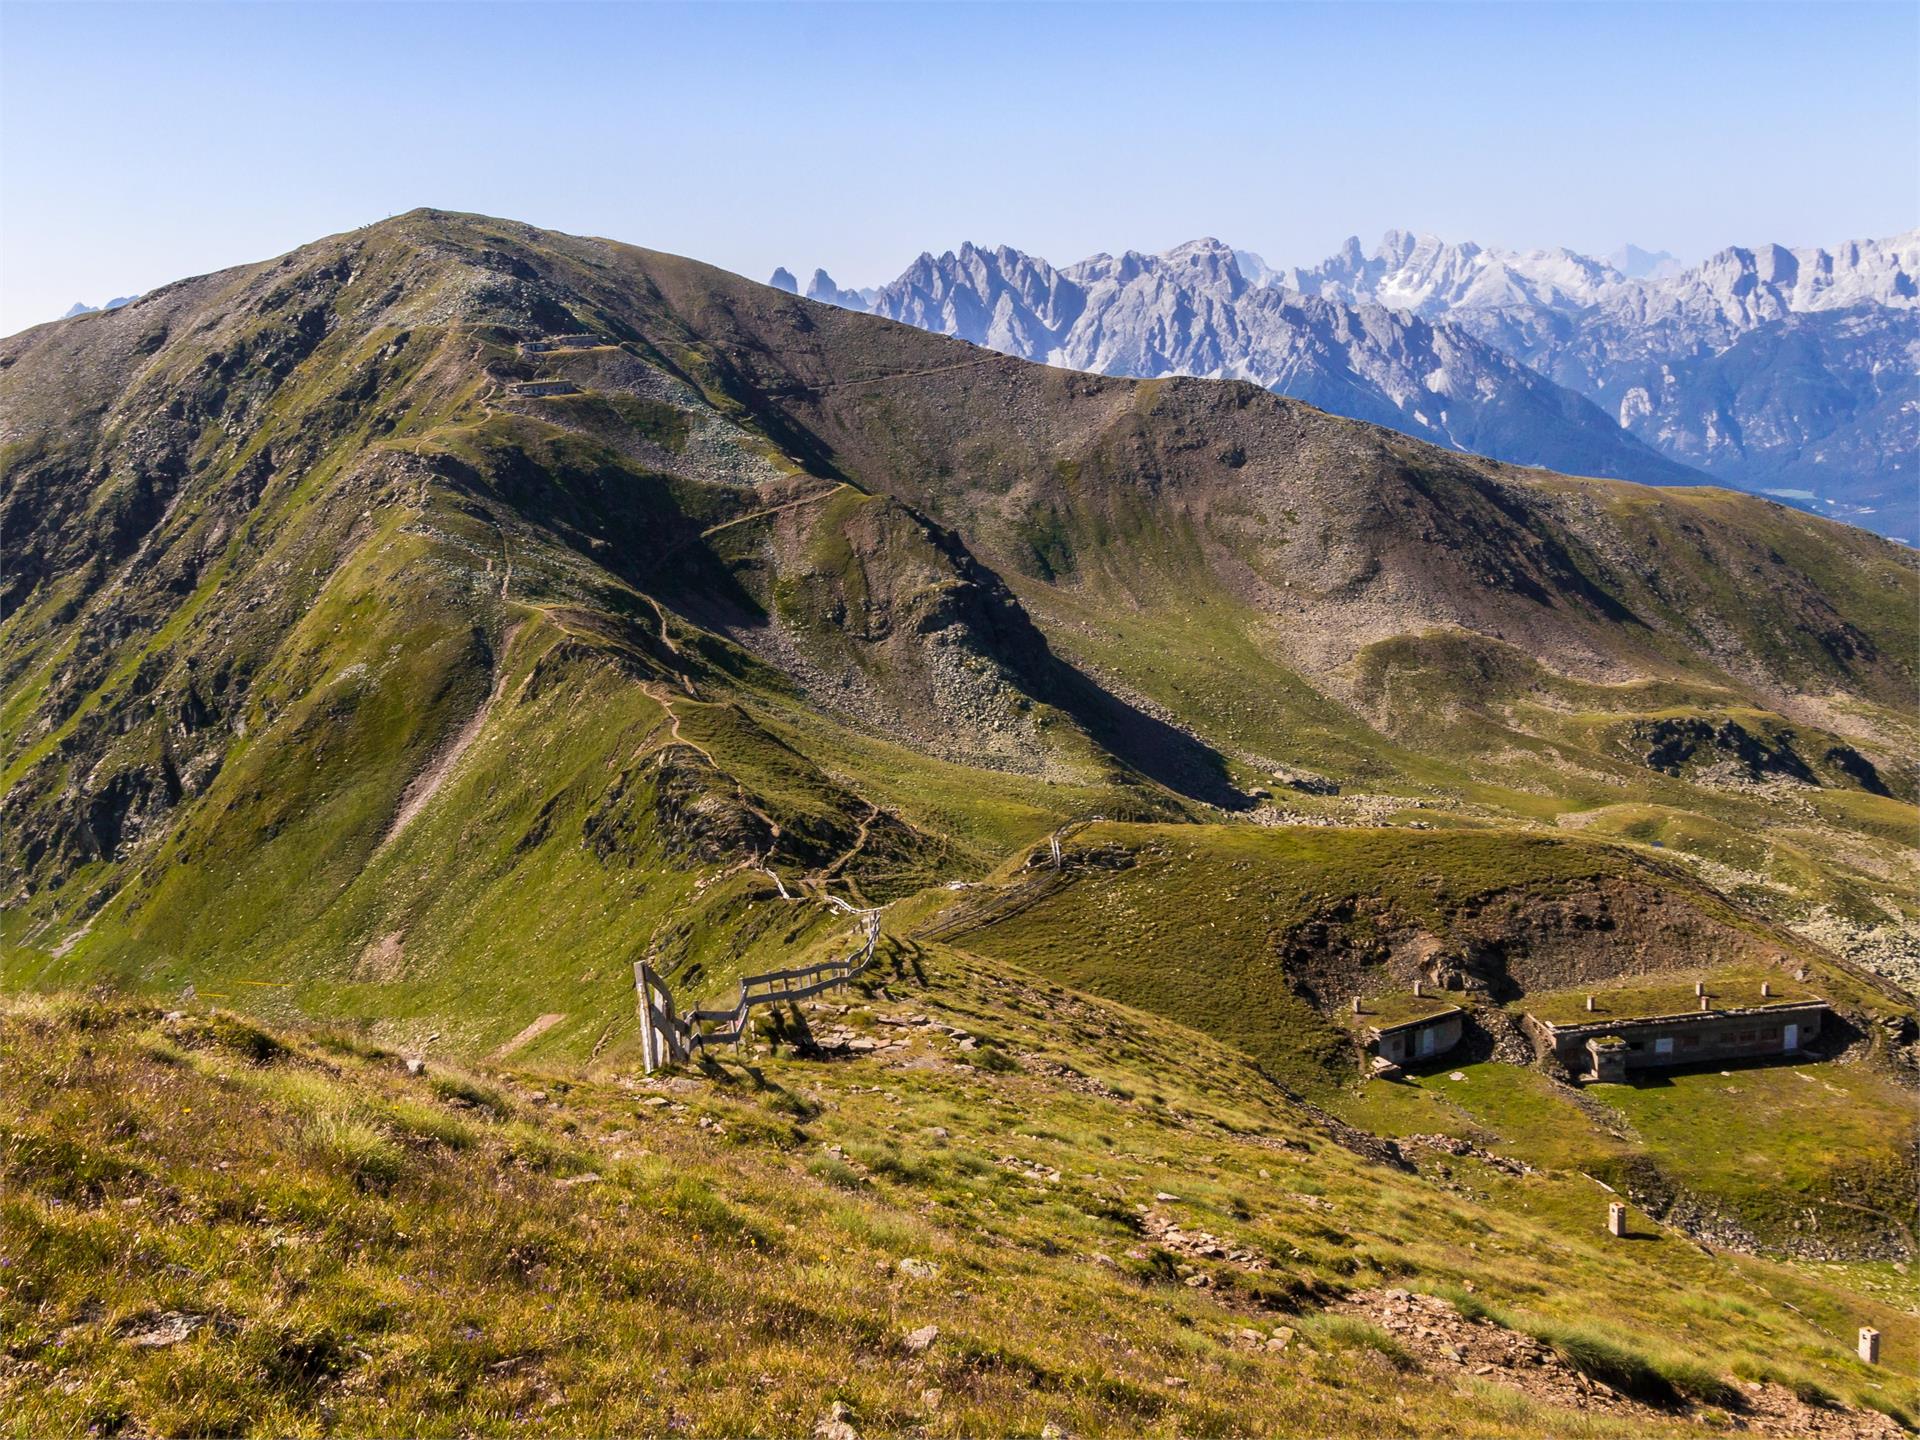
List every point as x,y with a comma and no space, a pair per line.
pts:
1510,942
1726,749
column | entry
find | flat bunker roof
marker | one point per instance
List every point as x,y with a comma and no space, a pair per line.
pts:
1402,1007
1653,997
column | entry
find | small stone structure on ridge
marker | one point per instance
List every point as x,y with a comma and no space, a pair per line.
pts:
549,343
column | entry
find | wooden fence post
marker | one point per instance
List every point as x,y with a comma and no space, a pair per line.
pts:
677,1031
648,1040
666,1036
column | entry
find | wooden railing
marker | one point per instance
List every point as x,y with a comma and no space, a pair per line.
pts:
667,1037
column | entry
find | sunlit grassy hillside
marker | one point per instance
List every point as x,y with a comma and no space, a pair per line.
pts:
989,1227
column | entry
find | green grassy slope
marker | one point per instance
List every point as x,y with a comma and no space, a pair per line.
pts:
1261,935
351,1247
284,531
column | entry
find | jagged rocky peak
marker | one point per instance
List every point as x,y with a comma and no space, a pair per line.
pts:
1192,310
1422,272
1203,263
1254,267
80,307
823,288
998,297
1878,272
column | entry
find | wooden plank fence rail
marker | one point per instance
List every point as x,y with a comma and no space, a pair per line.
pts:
667,1037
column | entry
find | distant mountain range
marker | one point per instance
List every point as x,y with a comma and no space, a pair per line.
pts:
80,307
1787,372
1192,311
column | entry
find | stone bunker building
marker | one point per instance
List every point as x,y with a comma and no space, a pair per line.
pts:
1616,1032
1428,1033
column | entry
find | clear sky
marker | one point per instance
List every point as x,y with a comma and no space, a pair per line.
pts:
142,143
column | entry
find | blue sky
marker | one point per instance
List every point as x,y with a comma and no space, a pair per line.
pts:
146,142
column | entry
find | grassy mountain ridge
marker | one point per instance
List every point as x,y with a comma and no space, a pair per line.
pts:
287,522
407,634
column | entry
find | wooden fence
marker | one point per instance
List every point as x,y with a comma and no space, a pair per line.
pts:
666,1036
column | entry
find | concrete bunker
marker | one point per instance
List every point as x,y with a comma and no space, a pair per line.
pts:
1406,1030
1604,1035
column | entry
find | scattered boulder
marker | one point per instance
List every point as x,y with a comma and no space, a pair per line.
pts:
160,1331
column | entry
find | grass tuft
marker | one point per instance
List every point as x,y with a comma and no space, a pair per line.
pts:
357,1147
1349,1332
835,1171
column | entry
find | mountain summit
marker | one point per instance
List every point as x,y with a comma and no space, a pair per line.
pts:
512,453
